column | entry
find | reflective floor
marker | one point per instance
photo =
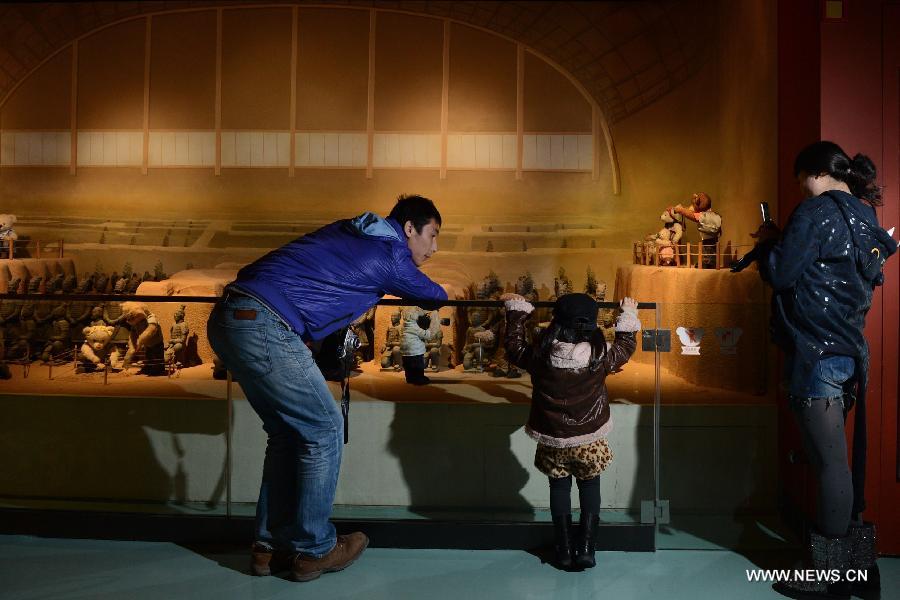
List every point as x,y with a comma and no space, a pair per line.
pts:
32,568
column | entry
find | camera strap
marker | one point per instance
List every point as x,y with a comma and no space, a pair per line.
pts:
346,356
345,407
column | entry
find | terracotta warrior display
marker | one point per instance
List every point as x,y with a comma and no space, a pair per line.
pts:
101,283
85,285
113,313
21,346
58,341
433,348
133,284
36,285
4,368
391,359
493,321
606,317
54,284
178,338
9,311
14,285
121,286
525,288
364,327
594,287
561,285
69,284
113,282
80,313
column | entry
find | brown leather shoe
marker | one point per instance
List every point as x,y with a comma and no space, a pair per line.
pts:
263,561
344,553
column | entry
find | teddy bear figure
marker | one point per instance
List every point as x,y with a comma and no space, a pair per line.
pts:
478,339
419,328
8,235
96,350
663,243
144,334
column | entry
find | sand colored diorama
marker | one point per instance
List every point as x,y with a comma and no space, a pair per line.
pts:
726,369
203,155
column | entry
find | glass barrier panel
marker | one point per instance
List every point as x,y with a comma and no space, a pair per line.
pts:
457,448
98,423
98,418
718,421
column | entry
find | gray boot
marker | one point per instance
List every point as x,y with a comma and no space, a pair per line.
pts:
827,554
863,554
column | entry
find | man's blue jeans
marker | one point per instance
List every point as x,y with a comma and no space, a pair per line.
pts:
301,417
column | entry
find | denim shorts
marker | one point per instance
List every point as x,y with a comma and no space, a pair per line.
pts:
826,381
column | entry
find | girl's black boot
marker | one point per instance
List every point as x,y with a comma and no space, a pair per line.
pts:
562,526
584,547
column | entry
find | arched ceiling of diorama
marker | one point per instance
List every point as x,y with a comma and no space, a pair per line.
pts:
625,54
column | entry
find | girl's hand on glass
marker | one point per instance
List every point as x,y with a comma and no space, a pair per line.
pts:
628,303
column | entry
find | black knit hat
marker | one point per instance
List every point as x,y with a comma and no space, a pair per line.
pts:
576,311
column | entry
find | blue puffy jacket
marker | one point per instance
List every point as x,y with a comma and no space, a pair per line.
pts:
324,280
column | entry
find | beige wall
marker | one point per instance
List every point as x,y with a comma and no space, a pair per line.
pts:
557,105
748,115
332,69
111,78
716,133
43,101
256,68
482,81
408,64
183,71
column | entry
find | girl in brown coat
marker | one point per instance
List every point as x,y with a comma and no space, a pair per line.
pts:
570,416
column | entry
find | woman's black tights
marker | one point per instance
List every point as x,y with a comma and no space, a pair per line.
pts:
561,495
822,425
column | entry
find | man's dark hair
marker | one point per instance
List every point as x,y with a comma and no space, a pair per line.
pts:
418,209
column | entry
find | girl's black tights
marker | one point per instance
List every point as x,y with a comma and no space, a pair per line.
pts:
561,495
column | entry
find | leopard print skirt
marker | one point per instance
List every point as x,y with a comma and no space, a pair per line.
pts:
584,462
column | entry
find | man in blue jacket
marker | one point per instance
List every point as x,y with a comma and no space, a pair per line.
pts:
300,293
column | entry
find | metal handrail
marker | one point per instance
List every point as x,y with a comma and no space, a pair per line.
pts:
214,299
